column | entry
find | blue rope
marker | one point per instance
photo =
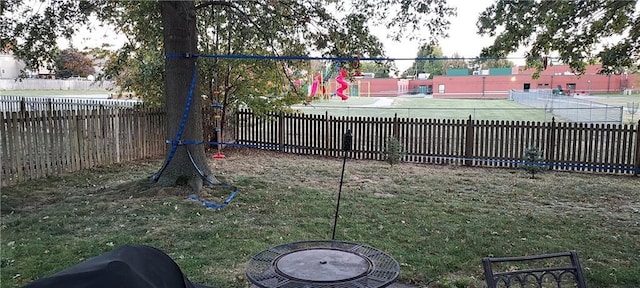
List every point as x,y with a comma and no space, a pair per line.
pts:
214,205
284,57
183,122
210,204
178,142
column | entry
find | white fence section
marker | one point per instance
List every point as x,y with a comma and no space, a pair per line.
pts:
54,84
21,104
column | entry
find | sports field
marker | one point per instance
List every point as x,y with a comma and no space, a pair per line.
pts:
426,108
480,109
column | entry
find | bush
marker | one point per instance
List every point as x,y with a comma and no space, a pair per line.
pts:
393,151
533,161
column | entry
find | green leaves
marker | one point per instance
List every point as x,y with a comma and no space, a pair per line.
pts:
30,33
71,63
533,162
393,151
433,67
257,27
574,30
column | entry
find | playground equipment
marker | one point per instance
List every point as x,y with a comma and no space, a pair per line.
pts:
313,89
343,84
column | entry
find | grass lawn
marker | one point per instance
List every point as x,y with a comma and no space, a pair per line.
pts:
437,221
482,109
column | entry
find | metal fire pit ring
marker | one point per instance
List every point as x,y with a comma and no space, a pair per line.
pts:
322,263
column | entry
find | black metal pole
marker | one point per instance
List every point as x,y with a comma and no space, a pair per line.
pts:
346,147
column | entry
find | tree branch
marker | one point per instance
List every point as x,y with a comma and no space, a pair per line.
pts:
213,3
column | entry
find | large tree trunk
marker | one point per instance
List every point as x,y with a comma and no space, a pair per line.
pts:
180,37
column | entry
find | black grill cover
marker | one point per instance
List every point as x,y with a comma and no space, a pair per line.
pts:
128,266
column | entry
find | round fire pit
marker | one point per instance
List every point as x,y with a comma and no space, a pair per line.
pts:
322,263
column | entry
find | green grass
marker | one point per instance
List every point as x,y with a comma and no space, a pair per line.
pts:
482,109
437,221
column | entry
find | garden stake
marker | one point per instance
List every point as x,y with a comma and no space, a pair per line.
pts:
347,139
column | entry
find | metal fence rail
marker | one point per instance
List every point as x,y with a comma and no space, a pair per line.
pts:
570,108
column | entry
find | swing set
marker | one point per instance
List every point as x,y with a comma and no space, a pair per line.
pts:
318,83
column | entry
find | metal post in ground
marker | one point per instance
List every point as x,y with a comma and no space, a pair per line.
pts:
347,140
218,119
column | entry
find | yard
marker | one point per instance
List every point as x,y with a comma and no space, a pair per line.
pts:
437,221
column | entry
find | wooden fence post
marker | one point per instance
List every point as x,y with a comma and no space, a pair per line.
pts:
327,135
236,128
551,139
396,127
636,165
281,132
468,142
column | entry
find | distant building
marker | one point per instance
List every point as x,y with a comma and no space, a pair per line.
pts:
494,83
10,67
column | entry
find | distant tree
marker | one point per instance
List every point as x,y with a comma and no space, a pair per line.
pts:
433,67
381,70
455,62
492,63
73,63
572,29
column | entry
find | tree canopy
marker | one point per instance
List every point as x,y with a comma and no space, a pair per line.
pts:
72,63
574,32
492,63
260,27
433,67
256,27
380,70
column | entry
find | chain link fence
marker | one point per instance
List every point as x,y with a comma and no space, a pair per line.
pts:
569,108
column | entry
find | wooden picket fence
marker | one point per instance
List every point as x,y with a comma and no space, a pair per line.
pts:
40,143
609,148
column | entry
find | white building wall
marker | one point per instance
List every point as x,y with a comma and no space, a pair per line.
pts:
10,67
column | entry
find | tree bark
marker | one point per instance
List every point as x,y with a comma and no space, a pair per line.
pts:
180,38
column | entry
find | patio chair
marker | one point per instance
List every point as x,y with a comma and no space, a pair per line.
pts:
546,270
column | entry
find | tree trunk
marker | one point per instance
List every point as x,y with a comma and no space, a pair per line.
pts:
180,38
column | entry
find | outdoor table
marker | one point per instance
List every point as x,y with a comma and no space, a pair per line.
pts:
322,263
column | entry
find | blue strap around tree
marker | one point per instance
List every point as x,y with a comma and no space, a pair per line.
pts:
178,142
183,122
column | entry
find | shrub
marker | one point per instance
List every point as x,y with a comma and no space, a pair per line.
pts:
393,151
533,161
